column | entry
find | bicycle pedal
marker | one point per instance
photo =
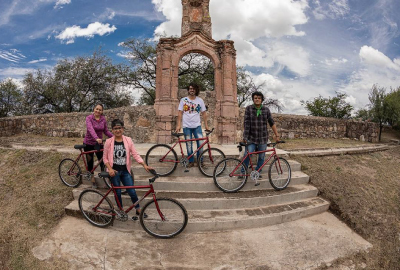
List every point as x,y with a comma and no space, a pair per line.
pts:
186,170
257,184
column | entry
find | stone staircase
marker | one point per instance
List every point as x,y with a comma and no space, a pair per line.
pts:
209,209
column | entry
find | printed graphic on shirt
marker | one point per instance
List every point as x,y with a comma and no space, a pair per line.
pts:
119,154
190,107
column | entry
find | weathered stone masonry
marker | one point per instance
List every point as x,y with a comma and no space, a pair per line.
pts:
140,123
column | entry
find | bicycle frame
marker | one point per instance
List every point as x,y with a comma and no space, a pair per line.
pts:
206,141
113,188
273,154
85,162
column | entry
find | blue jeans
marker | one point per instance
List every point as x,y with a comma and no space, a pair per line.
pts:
126,178
252,148
189,133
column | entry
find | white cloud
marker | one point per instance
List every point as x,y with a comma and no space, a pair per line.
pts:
14,72
61,3
334,61
13,55
371,56
37,61
334,9
96,28
172,10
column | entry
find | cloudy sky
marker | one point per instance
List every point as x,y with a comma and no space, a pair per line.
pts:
299,48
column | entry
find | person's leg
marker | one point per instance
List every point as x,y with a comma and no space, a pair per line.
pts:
127,180
250,148
261,156
189,145
197,132
89,160
116,182
99,156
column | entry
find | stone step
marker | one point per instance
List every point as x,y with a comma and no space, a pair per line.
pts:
223,201
222,220
198,184
195,172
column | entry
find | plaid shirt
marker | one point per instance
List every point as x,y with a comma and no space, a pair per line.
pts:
255,128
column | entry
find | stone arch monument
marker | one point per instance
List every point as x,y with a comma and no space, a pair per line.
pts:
196,38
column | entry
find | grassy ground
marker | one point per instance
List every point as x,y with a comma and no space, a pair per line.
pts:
33,200
364,191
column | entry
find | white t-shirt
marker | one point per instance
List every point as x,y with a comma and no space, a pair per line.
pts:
191,111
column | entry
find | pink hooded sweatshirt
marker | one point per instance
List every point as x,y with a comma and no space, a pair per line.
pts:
130,150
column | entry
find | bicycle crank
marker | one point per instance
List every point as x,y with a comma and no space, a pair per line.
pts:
255,175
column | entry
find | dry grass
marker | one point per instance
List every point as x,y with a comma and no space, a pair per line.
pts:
33,200
364,191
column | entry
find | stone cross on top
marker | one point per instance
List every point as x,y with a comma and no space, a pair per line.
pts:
196,17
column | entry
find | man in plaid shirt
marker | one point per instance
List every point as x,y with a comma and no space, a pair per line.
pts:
256,118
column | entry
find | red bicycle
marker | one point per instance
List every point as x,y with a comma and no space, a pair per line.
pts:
70,172
164,158
230,174
160,217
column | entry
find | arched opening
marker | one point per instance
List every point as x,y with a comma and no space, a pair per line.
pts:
198,68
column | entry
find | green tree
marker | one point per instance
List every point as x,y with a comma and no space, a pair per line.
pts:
11,98
378,106
76,85
335,107
392,102
363,114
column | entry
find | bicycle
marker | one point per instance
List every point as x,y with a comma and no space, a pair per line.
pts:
70,172
230,174
160,217
164,158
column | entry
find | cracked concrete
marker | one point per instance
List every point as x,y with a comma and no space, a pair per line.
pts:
300,244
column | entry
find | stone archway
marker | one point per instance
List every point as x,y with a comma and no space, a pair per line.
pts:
196,38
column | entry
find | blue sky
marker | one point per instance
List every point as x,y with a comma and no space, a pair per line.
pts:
299,49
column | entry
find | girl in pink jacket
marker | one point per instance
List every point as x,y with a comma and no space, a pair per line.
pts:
117,152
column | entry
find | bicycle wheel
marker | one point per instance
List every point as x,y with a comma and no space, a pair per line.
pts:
279,174
162,158
70,173
175,218
103,215
208,159
230,175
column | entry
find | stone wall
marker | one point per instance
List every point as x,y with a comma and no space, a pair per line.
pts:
140,124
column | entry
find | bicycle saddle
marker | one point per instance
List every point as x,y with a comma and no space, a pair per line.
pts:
177,134
79,146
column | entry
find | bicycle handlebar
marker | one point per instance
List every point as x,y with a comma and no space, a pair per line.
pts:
247,144
151,180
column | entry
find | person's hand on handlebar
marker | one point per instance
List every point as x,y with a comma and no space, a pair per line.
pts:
99,141
147,168
111,172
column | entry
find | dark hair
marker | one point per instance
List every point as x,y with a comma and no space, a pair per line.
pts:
257,93
98,104
117,122
196,88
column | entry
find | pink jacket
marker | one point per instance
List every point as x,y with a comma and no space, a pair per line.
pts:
129,147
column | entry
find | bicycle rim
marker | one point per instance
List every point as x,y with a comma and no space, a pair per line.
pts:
175,218
230,175
208,159
103,215
70,172
162,162
279,174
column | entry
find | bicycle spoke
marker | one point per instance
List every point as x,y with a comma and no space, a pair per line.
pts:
230,175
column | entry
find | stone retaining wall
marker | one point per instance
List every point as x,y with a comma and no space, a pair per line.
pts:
140,124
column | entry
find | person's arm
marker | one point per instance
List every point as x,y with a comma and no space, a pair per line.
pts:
274,129
90,129
204,116
179,122
138,158
246,124
106,160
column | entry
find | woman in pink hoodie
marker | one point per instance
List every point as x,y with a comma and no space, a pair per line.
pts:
117,152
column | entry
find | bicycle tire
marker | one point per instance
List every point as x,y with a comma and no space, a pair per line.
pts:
206,166
90,198
279,179
154,155
175,215
222,178
70,173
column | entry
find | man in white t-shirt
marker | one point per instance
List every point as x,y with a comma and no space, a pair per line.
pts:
190,108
